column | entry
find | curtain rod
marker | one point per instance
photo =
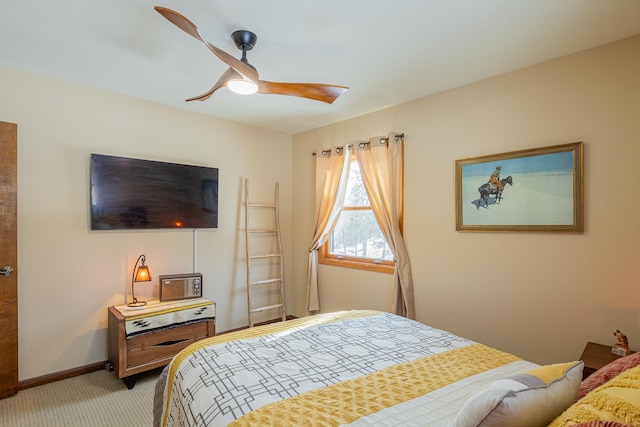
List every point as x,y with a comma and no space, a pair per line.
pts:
362,144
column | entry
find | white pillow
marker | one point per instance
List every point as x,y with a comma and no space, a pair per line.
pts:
533,398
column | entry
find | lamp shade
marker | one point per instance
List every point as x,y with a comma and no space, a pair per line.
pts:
142,275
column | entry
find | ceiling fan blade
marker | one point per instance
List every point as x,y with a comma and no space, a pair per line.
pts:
190,28
179,21
222,82
316,91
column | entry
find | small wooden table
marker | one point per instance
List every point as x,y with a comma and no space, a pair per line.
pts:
140,340
595,356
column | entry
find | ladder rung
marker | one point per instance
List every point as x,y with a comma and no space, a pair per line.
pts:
265,282
262,230
262,205
264,256
268,307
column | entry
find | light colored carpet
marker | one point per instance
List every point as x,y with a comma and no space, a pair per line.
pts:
97,399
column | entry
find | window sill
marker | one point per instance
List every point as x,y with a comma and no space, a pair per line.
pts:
358,265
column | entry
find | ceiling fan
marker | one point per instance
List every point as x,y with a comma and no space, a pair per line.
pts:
242,77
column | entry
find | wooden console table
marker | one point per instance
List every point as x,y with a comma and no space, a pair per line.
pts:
148,338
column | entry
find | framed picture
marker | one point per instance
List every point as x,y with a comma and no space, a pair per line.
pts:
529,190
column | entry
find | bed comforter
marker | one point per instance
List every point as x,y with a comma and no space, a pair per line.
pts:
354,368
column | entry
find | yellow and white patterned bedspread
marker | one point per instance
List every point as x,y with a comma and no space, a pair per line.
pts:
356,368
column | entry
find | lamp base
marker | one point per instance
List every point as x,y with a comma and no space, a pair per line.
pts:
137,304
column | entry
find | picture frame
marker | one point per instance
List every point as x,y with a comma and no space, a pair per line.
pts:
542,190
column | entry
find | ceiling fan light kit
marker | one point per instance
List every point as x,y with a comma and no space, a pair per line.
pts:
242,77
242,87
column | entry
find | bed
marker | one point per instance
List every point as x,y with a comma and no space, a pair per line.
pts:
357,368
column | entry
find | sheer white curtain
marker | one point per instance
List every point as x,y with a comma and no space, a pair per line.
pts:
332,175
382,166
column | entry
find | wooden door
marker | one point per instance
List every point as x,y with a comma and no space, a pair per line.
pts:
8,260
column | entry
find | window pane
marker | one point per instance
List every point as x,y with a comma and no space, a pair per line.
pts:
357,235
355,195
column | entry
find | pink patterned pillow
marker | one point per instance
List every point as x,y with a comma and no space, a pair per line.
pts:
606,373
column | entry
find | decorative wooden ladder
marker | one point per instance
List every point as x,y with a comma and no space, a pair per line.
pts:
273,258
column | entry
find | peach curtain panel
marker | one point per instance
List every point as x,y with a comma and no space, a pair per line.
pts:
382,166
332,175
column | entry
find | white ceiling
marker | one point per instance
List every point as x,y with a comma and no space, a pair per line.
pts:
387,52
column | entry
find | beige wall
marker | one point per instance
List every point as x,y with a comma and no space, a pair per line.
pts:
540,296
69,275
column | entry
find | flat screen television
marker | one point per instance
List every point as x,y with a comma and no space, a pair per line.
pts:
144,194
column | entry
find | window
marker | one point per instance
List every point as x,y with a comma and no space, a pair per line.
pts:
357,241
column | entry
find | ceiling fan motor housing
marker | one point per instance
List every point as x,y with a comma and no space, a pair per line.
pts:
244,39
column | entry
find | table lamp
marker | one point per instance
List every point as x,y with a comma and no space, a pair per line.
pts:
140,274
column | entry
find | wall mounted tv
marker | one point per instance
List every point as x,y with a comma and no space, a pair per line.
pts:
144,194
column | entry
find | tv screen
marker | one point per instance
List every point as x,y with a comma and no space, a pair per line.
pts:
144,194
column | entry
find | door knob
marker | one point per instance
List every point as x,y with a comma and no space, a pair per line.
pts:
7,270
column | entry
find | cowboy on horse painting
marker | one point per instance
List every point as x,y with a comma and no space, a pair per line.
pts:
494,186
